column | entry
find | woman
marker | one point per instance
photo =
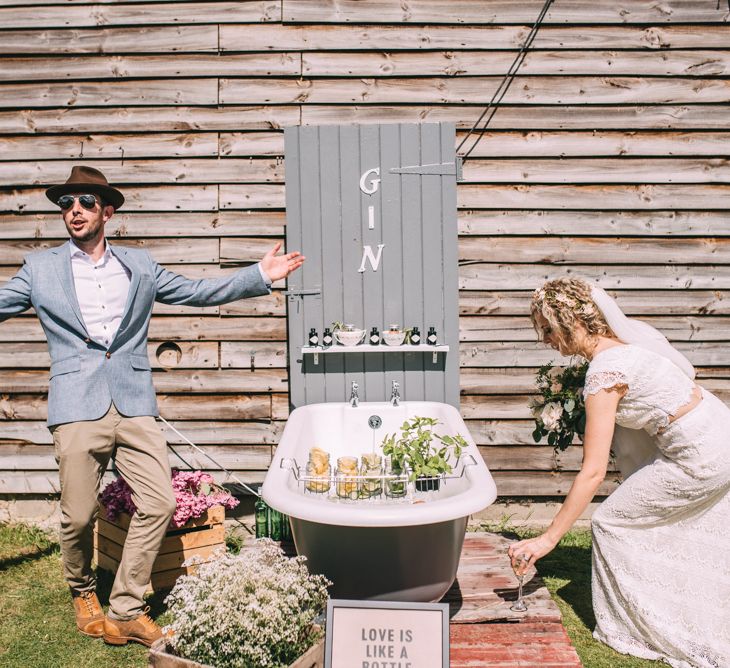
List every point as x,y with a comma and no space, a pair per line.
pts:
661,542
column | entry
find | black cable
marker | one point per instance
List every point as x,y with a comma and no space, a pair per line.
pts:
506,82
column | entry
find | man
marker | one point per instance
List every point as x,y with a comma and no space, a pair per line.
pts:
94,302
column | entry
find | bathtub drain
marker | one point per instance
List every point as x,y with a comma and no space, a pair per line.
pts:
374,421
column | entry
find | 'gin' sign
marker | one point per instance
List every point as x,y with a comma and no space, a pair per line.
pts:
373,209
369,185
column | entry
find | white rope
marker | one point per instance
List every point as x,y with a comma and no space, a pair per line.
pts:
203,452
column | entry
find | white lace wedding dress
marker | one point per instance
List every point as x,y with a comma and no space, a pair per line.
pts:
661,541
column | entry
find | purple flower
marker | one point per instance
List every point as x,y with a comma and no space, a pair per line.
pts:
195,492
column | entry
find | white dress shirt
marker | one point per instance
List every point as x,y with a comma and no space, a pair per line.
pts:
101,289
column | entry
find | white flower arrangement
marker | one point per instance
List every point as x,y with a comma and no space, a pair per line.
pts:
551,414
255,609
559,411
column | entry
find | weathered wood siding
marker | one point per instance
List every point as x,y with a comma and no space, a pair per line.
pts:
608,158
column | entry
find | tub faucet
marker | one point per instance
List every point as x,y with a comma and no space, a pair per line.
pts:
395,394
354,399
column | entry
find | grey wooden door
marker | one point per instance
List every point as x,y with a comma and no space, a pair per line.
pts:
373,209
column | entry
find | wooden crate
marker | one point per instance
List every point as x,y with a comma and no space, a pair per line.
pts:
200,536
160,658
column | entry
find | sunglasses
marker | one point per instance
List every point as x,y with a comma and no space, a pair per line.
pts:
67,201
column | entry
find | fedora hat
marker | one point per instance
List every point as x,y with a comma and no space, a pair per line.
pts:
87,180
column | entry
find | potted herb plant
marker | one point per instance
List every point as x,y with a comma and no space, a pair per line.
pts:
395,484
426,454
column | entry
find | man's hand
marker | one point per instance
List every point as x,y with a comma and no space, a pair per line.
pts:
280,266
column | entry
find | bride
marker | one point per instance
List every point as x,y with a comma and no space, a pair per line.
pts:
661,541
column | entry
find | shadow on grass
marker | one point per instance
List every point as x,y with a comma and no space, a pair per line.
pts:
573,564
28,556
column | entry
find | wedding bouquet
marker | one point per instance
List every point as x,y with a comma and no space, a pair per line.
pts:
560,411
195,492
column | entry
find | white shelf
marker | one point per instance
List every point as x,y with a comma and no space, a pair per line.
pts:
367,348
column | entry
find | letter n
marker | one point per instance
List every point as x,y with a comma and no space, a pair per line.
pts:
367,254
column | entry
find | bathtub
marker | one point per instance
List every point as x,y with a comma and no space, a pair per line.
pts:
403,550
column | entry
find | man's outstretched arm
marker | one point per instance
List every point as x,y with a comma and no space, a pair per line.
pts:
15,294
173,288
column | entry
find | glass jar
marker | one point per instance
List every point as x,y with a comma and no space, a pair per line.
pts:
371,465
396,485
394,335
347,485
318,471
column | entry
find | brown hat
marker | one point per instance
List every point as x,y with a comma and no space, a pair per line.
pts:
87,179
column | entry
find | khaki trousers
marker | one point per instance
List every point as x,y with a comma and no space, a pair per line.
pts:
83,450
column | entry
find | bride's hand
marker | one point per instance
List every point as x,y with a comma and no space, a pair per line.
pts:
529,551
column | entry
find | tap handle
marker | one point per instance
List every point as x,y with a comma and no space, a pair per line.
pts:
354,387
396,386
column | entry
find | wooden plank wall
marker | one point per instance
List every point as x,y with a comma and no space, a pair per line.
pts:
607,159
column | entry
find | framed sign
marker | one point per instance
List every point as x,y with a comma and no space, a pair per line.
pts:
386,634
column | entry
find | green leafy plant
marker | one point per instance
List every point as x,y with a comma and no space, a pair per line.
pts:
421,450
560,411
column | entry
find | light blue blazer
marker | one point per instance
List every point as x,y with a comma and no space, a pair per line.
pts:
85,376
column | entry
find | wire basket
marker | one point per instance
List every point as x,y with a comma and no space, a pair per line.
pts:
374,487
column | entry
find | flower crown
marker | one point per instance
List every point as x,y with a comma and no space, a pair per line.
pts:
556,298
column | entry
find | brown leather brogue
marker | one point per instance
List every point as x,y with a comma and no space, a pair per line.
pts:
89,614
141,629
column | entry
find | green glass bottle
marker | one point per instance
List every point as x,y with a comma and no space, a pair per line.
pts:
261,513
276,524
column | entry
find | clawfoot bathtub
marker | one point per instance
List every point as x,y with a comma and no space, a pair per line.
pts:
404,549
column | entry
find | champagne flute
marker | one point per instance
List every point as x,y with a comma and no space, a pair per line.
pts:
519,605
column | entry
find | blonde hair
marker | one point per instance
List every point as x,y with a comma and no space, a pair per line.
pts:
563,303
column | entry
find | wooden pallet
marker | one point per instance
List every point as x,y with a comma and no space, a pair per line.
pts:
484,631
524,644
201,536
485,586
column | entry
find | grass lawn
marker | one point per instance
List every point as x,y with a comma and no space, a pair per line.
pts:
37,628
567,574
